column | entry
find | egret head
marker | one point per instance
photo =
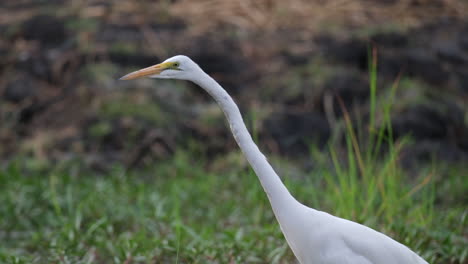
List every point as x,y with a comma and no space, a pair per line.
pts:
177,67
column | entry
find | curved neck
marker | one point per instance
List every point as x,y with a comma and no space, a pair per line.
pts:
277,193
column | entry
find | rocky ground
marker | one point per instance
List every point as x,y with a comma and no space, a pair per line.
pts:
60,61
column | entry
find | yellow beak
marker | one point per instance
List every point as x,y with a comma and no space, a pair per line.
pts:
152,70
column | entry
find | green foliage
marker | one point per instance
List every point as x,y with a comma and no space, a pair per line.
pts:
184,211
174,211
102,74
100,129
123,48
146,111
82,24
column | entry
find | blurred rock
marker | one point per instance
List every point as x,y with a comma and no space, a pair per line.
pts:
430,53
440,126
420,122
463,38
295,132
423,64
38,65
140,60
349,88
352,51
390,39
451,52
463,81
425,151
48,30
19,89
3,58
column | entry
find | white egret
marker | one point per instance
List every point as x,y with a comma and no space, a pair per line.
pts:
315,237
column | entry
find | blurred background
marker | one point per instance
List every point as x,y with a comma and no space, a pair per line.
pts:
282,61
296,68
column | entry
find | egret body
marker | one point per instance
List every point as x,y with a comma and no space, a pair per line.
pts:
315,237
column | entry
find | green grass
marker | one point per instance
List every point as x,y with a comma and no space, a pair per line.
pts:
177,212
174,213
192,210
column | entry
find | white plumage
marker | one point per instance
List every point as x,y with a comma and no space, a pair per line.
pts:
315,237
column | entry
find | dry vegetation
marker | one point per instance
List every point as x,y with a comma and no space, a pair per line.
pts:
306,15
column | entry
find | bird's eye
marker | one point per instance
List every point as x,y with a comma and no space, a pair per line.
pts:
176,64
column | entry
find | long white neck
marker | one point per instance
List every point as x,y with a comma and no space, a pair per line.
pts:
280,198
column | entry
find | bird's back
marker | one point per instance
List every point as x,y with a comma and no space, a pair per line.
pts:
321,238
